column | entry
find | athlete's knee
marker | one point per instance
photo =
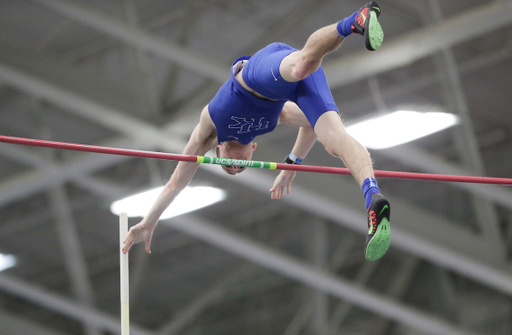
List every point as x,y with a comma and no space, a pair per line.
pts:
300,72
332,148
337,142
304,68
301,65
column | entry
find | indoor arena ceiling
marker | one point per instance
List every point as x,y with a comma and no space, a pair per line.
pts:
136,74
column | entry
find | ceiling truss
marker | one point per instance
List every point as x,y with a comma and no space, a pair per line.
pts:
17,70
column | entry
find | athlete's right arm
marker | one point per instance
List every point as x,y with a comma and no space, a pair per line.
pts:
292,115
202,140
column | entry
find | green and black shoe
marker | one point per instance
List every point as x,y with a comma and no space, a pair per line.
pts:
366,24
379,234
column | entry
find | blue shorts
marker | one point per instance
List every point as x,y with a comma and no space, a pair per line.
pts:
312,94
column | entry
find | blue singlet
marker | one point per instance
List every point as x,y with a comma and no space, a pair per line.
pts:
239,115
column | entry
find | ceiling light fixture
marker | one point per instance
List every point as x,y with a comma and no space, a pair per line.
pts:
400,127
190,199
7,261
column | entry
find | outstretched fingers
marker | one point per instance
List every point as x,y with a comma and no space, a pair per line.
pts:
130,240
277,192
147,241
273,193
127,244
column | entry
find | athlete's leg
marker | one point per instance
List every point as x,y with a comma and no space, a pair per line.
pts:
339,143
315,100
301,64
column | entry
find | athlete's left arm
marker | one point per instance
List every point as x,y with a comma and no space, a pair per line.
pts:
292,115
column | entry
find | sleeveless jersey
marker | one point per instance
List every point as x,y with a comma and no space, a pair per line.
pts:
239,115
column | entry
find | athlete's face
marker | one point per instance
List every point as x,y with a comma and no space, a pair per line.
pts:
235,151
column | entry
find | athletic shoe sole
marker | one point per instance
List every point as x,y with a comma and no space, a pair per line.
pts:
379,244
373,33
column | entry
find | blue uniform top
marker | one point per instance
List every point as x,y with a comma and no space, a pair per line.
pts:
239,115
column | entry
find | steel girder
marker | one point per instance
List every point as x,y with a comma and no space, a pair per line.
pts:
113,118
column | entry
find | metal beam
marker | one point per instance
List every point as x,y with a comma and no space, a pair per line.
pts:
114,119
117,122
137,37
64,306
342,211
74,169
423,82
338,258
418,158
96,186
465,138
71,249
259,254
140,67
86,50
310,276
203,299
397,290
194,9
342,309
418,44
320,200
214,292
299,320
318,242
139,270
391,55
283,25
29,183
84,107
11,324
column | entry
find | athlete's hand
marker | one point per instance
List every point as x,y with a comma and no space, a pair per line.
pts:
138,233
283,182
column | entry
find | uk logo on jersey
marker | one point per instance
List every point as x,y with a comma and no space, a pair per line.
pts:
245,125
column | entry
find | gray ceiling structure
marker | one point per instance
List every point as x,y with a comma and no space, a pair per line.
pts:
135,74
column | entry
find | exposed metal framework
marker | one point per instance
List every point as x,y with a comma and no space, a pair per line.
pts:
133,113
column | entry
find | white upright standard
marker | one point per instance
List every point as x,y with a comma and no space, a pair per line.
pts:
125,296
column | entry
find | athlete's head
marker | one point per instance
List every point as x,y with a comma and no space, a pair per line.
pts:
235,150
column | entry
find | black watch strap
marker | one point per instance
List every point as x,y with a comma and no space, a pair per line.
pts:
288,160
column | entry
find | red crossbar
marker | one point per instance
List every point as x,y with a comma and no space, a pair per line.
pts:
280,166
